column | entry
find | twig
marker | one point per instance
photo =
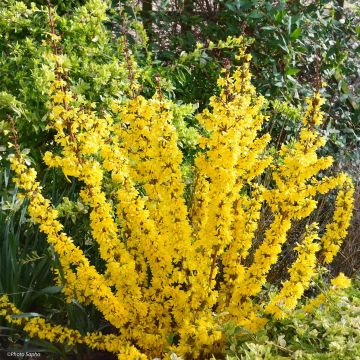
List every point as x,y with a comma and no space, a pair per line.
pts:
14,134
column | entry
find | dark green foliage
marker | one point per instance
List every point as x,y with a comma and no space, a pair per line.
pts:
296,45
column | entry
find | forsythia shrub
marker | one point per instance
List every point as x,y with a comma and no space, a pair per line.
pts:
178,269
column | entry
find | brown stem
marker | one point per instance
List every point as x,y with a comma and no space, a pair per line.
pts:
193,193
14,134
213,264
317,71
52,28
131,75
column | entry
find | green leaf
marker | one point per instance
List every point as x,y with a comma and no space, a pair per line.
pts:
268,28
292,71
295,34
26,315
279,16
51,290
256,14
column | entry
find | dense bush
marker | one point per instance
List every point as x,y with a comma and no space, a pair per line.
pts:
171,208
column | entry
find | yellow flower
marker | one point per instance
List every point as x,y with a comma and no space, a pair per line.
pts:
341,281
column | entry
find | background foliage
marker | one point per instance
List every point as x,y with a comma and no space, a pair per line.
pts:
332,332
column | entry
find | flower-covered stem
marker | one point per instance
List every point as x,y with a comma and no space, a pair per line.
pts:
264,257
246,216
232,124
336,231
37,327
301,273
231,160
148,138
80,133
85,282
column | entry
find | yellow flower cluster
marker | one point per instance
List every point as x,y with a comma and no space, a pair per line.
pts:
157,225
38,327
85,281
294,198
80,133
337,285
301,273
173,268
313,115
337,229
